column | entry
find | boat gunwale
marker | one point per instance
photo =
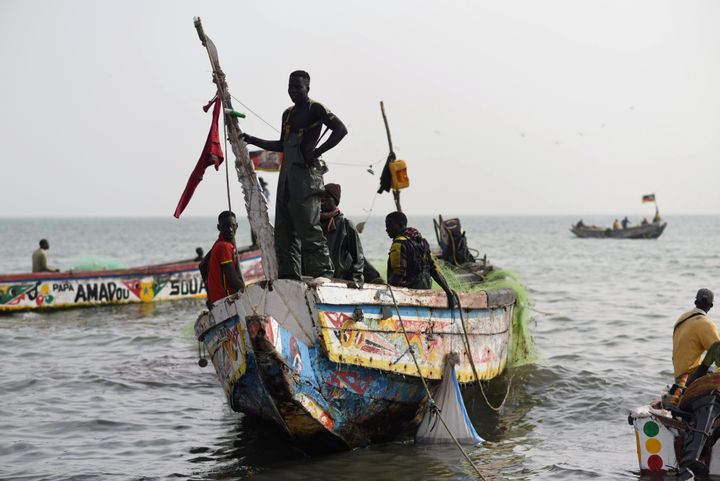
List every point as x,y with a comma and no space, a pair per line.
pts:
165,268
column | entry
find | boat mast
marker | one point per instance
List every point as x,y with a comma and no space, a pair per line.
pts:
391,155
255,202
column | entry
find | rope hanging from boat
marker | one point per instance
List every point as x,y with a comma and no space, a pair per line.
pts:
472,364
431,401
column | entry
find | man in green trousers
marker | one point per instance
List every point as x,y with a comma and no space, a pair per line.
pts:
299,241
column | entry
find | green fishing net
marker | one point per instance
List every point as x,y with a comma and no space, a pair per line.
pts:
96,263
522,350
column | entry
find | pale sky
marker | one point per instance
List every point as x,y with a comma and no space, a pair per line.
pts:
503,107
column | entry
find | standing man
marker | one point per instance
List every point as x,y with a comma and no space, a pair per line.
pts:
693,334
410,263
40,258
299,242
220,268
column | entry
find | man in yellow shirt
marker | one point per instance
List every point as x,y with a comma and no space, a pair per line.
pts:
694,333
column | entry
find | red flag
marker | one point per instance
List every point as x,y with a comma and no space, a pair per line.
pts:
212,154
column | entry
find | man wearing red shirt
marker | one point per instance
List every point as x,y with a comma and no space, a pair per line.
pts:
220,268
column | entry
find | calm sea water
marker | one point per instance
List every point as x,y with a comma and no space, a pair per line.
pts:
116,393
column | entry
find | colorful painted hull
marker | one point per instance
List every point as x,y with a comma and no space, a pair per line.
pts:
330,363
648,231
658,439
659,434
163,282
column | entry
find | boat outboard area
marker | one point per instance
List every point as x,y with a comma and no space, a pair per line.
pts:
662,427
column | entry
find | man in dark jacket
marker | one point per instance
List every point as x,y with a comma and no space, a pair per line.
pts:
343,240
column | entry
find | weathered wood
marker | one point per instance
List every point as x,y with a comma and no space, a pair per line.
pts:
255,202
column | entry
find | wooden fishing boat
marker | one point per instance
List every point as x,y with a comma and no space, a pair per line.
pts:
161,282
643,231
330,363
334,363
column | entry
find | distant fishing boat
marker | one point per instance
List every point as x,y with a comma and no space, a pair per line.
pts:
644,230
338,364
160,282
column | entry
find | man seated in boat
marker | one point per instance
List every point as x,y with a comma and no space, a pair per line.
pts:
580,224
40,258
616,225
220,268
299,241
410,262
694,333
343,241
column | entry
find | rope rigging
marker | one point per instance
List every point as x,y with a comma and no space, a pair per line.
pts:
369,167
472,363
431,401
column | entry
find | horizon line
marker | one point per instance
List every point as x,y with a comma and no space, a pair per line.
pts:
364,215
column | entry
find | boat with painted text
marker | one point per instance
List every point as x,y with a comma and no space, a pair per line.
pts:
160,282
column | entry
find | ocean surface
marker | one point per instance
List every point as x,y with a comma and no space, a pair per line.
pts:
116,392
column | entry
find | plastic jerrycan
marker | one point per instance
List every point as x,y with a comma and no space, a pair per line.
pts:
398,174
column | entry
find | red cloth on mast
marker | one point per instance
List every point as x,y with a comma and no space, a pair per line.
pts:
212,154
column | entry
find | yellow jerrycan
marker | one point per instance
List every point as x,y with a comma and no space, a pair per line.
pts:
398,174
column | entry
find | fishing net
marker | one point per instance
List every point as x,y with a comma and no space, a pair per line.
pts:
96,263
452,409
522,349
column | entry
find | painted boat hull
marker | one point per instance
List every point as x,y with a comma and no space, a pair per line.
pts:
649,231
330,363
658,439
163,282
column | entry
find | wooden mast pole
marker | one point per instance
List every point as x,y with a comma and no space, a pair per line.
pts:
391,156
255,202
